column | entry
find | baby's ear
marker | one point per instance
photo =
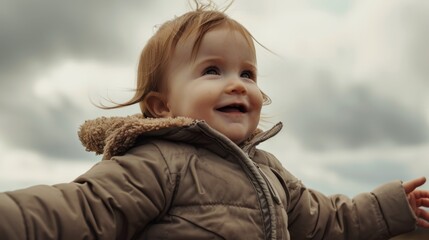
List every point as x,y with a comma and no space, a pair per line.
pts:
156,105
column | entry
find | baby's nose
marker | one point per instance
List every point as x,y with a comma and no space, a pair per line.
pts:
236,86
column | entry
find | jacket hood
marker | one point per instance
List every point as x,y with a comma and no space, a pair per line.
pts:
113,136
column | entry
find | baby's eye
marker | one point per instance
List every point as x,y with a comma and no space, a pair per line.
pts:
212,70
248,74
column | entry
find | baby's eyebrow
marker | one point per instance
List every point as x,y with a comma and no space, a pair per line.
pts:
251,66
210,59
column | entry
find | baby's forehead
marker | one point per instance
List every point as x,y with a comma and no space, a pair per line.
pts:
190,43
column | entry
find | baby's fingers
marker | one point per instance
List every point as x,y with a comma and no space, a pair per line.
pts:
411,185
423,194
424,203
422,218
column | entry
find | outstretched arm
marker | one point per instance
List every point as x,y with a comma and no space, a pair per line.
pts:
113,200
418,198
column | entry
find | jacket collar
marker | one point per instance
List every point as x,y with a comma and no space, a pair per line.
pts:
116,135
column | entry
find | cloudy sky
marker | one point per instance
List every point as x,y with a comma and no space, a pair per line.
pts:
350,82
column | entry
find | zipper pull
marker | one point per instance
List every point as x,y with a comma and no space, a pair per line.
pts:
270,185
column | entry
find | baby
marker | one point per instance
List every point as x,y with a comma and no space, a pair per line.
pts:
188,167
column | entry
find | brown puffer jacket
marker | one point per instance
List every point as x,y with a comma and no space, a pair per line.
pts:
180,179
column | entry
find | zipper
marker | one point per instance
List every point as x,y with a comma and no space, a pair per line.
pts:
245,162
271,188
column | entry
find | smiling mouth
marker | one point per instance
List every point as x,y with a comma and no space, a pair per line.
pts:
233,108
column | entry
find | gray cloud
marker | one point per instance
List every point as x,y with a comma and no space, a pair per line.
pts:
36,34
412,27
327,117
51,131
372,172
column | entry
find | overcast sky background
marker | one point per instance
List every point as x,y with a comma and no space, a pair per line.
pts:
350,83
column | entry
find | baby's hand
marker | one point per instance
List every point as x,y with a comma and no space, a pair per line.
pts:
417,199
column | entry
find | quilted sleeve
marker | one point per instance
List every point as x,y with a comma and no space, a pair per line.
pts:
113,200
380,214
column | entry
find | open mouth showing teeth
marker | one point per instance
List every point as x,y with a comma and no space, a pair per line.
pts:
233,108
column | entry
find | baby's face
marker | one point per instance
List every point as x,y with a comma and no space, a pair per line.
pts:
218,86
